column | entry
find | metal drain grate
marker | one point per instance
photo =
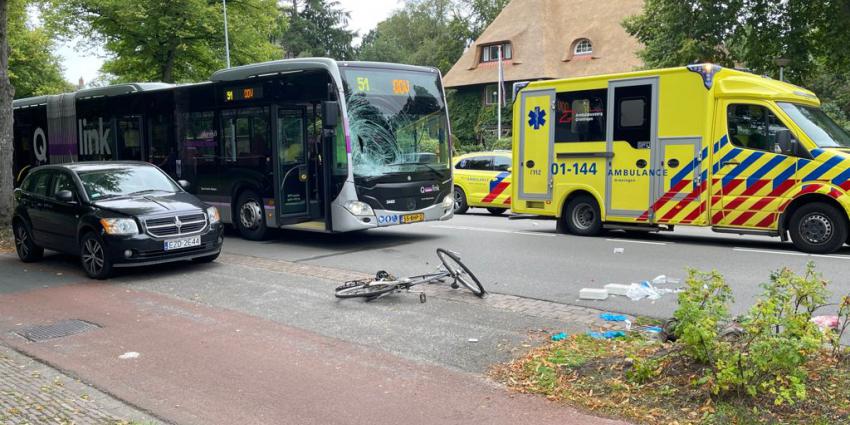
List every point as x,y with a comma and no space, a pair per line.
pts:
57,330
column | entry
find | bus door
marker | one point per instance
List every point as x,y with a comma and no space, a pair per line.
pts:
536,140
292,171
631,135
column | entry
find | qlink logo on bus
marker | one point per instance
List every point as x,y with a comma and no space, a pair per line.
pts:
94,140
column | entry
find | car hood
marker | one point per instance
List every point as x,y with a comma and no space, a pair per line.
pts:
152,204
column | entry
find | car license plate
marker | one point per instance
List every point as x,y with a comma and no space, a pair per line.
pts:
413,218
181,243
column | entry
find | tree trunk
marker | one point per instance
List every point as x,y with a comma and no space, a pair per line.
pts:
167,74
7,92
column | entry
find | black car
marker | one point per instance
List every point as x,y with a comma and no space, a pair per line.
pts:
112,214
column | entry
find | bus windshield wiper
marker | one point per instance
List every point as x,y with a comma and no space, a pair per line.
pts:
431,168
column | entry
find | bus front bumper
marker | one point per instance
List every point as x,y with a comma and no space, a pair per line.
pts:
344,220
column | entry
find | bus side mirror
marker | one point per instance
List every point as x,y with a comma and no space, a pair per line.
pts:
785,143
330,114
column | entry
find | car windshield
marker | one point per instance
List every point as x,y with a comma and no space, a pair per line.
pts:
817,125
125,181
397,121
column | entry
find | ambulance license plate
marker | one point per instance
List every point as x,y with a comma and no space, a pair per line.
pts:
181,243
412,218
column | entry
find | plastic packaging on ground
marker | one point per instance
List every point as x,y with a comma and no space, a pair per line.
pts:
826,323
593,294
559,336
606,334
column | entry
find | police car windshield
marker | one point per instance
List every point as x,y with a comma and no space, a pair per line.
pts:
817,125
125,181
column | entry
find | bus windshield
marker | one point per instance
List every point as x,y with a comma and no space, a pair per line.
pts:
817,125
397,121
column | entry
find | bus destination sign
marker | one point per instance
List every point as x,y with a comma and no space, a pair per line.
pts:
236,94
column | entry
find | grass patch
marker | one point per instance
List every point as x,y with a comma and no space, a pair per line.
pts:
646,381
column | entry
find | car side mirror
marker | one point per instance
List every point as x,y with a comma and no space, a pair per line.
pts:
65,196
785,143
184,184
510,169
330,114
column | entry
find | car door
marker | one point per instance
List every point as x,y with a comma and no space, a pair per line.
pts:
480,172
499,192
35,194
61,217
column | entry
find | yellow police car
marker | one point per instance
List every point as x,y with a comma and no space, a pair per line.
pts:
483,179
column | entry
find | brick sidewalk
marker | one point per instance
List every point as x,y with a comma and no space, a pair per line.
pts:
33,393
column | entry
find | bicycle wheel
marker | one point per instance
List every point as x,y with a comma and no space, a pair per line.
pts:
358,289
460,272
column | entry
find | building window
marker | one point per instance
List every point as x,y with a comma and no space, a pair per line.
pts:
491,94
583,47
491,53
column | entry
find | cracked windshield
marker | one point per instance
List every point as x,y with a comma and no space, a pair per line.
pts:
398,122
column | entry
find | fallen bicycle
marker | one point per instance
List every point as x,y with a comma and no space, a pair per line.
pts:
385,283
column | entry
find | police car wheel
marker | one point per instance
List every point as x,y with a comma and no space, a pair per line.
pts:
496,211
460,201
818,228
582,216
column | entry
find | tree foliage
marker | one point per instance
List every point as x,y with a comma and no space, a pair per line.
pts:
170,40
34,69
6,94
316,28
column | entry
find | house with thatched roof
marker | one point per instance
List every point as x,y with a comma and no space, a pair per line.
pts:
548,39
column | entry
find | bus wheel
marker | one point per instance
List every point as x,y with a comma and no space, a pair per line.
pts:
460,201
496,211
582,216
818,228
250,218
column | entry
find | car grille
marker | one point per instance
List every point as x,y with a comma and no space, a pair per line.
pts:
184,224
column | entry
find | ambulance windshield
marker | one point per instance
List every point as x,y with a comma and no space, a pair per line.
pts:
817,125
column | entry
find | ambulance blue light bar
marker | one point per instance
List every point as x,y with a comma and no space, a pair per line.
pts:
707,71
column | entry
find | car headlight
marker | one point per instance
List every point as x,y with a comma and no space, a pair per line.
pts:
359,208
119,226
449,201
212,213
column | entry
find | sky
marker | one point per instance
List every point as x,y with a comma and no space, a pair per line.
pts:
365,15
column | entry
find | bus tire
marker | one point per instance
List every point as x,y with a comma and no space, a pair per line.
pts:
250,217
460,201
496,211
818,228
582,216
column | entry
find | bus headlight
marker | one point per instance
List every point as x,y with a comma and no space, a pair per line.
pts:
449,201
359,208
212,213
119,226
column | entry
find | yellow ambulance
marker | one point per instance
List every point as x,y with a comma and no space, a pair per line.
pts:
699,145
482,179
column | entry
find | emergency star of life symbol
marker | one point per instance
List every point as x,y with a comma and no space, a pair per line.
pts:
537,118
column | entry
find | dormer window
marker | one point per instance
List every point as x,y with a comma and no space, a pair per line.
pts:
583,47
490,53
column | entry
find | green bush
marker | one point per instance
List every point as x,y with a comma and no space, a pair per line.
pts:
766,352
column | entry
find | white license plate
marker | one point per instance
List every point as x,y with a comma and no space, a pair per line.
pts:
182,243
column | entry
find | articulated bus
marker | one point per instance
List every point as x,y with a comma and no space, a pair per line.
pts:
311,144
699,145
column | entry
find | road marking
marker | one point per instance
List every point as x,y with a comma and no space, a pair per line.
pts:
634,241
486,229
839,257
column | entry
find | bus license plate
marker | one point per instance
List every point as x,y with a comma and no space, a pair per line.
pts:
412,218
182,243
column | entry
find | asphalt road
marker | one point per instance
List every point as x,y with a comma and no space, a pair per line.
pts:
528,258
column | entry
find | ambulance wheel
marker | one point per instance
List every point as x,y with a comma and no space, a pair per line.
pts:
818,228
496,211
460,201
582,216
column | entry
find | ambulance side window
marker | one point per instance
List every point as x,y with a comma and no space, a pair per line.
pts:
581,116
633,115
752,127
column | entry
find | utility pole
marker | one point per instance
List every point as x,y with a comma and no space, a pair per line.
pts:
226,40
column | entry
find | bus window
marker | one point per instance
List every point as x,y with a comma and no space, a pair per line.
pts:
246,136
199,142
162,152
130,138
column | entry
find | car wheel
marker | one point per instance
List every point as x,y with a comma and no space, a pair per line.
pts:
582,216
460,201
250,217
207,259
27,250
496,211
818,228
93,257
